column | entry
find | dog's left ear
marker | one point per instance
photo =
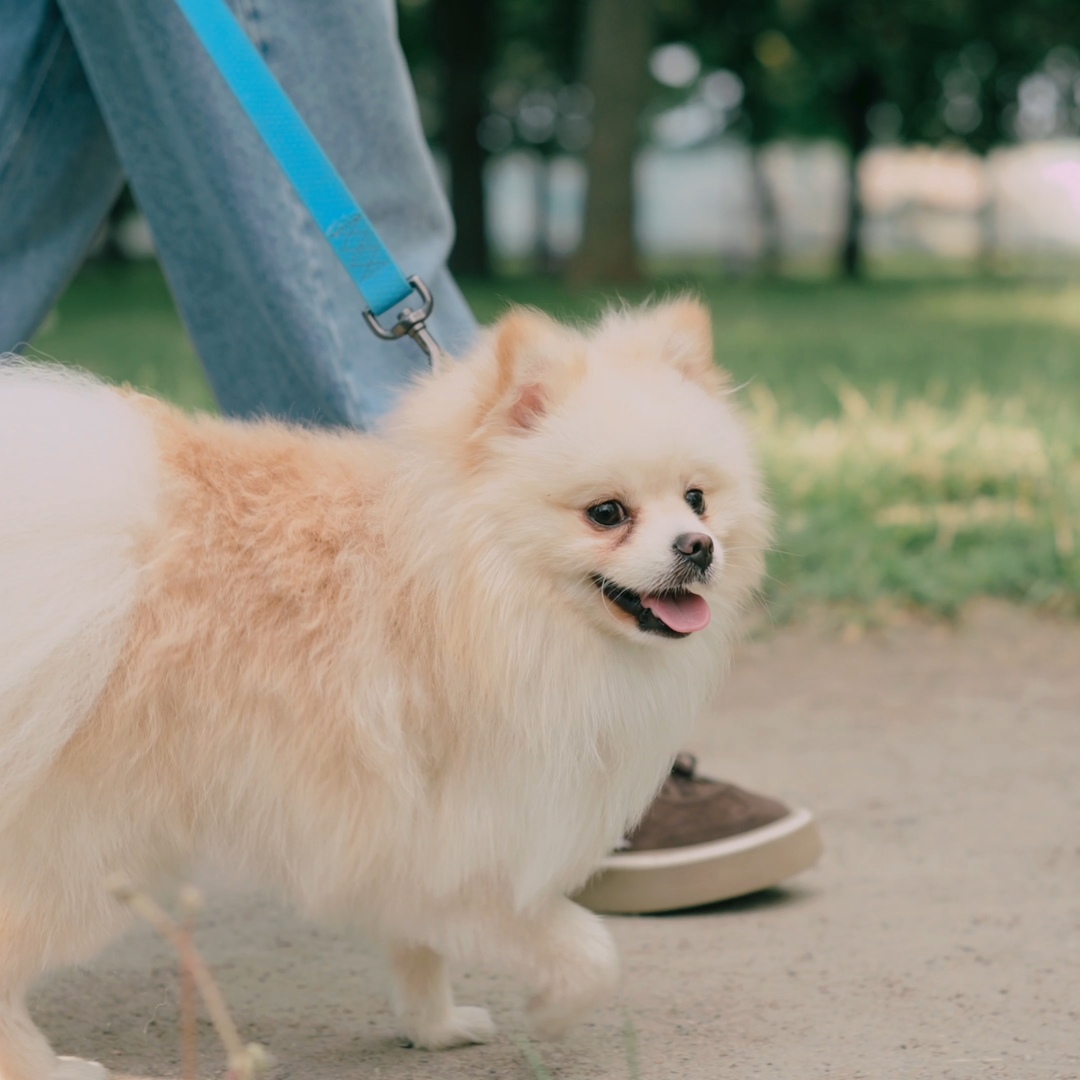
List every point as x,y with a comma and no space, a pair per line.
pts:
684,336
521,340
534,362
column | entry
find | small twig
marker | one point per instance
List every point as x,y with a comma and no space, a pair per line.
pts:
245,1062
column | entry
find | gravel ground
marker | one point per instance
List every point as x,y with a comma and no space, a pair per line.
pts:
939,937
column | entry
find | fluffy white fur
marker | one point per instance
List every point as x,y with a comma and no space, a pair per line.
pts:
375,673
77,479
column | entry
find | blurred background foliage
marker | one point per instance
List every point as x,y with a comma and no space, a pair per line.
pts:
918,410
599,79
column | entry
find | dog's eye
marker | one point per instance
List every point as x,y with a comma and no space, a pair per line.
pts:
695,499
608,514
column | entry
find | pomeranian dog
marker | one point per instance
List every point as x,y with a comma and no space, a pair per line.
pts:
426,679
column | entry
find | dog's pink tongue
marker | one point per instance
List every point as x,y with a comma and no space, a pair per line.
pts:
683,614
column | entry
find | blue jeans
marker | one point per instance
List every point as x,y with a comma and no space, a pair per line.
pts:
96,91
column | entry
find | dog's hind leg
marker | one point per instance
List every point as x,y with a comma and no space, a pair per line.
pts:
424,1002
567,957
563,953
25,1053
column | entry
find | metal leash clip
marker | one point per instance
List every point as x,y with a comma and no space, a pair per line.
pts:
413,323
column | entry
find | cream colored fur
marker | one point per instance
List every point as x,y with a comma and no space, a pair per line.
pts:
374,673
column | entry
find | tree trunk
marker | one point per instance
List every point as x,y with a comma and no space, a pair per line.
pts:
463,33
543,259
987,256
768,218
851,255
863,91
618,36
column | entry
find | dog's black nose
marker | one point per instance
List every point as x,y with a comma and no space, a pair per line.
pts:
696,548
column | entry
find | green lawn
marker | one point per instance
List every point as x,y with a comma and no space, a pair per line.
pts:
922,438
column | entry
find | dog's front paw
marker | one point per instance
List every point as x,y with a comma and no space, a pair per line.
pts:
70,1068
463,1026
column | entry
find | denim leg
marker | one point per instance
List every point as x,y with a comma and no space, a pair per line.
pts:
58,171
275,318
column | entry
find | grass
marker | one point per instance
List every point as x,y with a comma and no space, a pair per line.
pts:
921,437
120,322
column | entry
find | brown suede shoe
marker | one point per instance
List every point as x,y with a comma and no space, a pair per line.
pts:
701,841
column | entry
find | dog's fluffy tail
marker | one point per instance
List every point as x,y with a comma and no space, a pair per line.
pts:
78,482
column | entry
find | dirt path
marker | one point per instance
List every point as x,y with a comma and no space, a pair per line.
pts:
940,936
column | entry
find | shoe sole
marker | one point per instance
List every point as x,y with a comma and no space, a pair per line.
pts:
640,882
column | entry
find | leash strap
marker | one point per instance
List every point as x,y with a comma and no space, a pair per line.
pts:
317,182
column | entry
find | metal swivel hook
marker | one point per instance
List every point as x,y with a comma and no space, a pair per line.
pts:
413,323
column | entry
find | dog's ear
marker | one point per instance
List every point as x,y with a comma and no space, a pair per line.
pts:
529,353
520,340
683,332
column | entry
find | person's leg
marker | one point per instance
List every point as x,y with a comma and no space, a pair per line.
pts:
58,171
274,317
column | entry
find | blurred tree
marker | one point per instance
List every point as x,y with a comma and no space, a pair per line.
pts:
740,39
818,68
465,33
495,75
843,53
826,68
450,46
936,71
491,76
537,101
966,86
618,39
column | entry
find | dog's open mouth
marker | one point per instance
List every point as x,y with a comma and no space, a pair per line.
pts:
672,613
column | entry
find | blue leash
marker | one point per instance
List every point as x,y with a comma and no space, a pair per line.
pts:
302,159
